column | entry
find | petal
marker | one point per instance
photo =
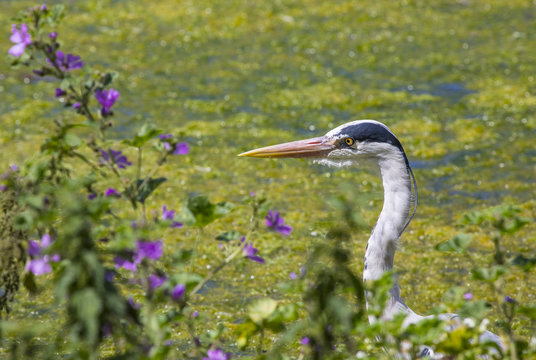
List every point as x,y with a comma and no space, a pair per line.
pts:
17,50
284,230
33,248
16,36
178,291
46,240
256,258
39,266
181,149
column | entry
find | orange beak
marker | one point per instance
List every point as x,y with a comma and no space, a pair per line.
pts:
310,148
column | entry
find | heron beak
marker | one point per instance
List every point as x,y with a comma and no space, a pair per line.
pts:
310,148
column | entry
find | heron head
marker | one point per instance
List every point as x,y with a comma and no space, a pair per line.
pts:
342,146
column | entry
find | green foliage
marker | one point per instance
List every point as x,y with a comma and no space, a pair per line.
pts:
200,212
227,236
458,243
146,187
146,133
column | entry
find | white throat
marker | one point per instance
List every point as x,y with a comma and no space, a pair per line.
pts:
381,246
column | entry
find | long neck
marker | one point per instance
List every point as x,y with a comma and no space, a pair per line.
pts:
382,243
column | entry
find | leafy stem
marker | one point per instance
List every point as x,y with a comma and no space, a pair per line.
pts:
216,270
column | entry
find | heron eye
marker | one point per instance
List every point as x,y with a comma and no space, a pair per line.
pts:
349,141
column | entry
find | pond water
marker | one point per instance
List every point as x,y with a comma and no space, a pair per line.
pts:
455,81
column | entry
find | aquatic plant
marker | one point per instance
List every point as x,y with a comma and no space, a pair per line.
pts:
122,292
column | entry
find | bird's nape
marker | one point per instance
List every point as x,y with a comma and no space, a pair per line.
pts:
309,148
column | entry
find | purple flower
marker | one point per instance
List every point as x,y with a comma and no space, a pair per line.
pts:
14,167
275,222
109,276
148,249
33,248
178,292
66,63
165,136
39,266
44,7
167,214
92,196
21,38
106,329
60,92
305,341
181,149
510,300
293,276
112,192
251,253
121,262
134,304
77,105
46,240
144,249
116,157
3,187
195,314
468,296
217,354
107,99
53,35
156,281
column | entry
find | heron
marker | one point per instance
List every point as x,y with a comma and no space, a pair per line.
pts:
371,143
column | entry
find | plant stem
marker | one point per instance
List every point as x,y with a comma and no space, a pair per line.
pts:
153,171
217,269
93,166
261,340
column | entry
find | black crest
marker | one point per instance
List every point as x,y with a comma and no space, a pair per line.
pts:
371,132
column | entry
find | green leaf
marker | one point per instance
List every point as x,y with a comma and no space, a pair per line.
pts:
487,275
87,307
89,84
523,262
65,83
72,140
148,188
146,133
245,332
228,236
457,244
480,274
204,212
188,279
474,309
29,283
528,310
515,224
456,341
108,78
182,256
261,309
